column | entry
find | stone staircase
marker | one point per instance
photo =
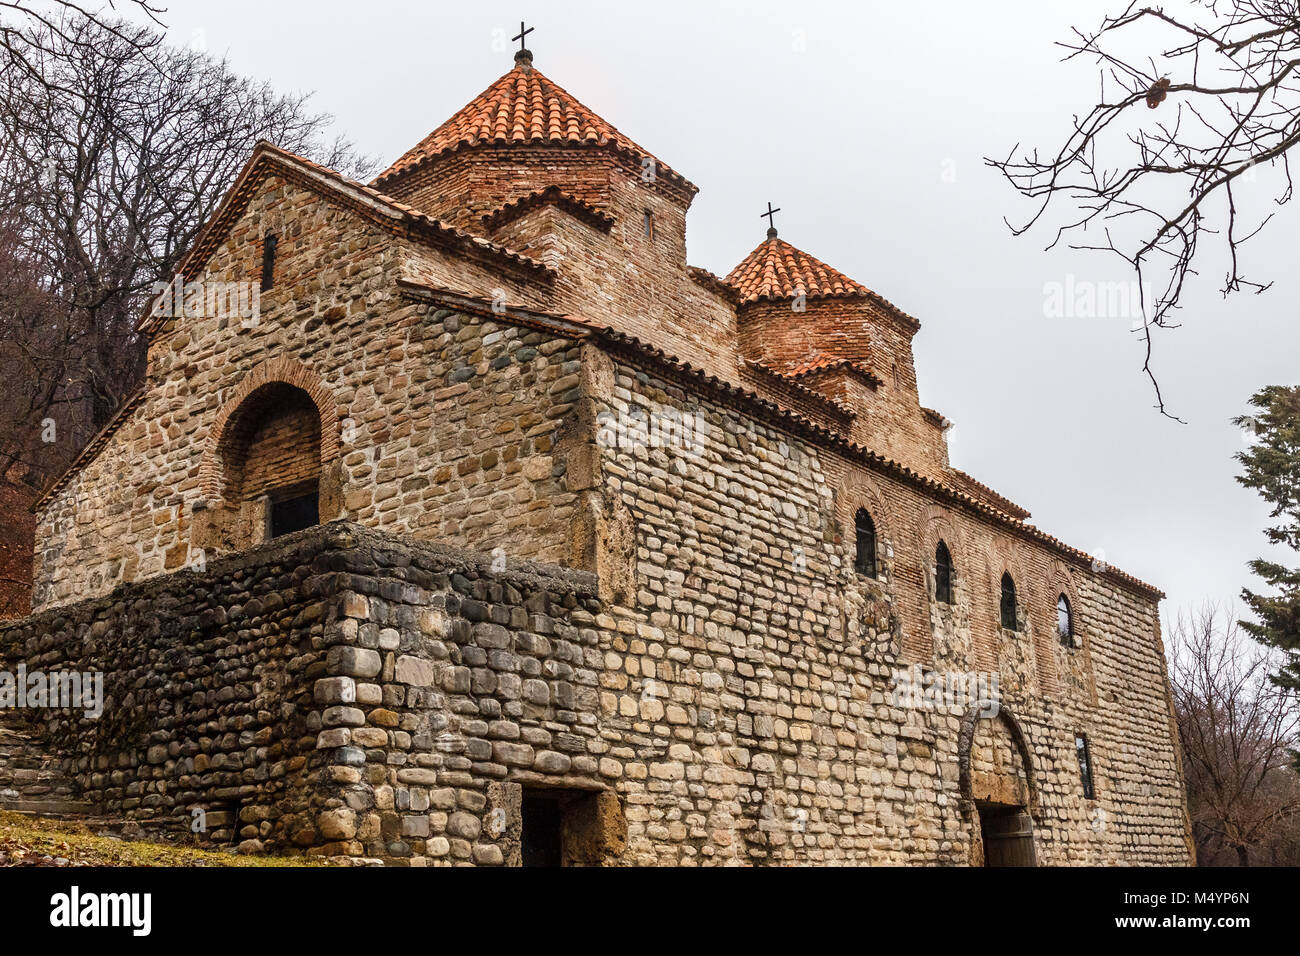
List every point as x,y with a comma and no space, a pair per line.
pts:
31,781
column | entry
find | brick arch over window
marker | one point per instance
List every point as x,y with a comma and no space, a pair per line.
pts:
1001,555
271,443
937,525
1063,580
276,435
863,495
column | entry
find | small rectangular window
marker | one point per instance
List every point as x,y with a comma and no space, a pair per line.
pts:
649,224
295,514
1085,764
268,261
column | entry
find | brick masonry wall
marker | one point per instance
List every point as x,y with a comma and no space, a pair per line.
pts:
281,451
890,419
636,284
464,186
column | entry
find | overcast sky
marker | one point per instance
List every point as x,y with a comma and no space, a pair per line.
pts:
867,123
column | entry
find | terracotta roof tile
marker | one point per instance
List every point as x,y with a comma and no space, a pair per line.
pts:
551,195
830,363
793,382
525,107
980,490
777,270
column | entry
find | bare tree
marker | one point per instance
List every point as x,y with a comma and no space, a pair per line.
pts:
1163,158
115,149
108,169
18,17
1238,731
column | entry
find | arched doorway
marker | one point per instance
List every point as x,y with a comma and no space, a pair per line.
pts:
998,787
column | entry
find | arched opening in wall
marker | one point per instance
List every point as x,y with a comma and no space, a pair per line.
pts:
943,573
864,530
1008,602
998,786
270,456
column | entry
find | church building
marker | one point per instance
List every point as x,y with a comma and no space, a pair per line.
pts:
460,519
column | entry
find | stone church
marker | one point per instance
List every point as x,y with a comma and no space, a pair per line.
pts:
499,534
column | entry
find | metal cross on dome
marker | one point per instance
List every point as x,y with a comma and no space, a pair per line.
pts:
771,223
522,33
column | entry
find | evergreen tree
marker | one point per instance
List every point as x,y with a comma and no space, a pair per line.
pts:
1272,467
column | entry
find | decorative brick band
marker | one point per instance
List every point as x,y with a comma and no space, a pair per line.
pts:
282,370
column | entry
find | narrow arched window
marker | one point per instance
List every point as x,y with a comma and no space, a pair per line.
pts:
268,261
865,533
942,574
1064,621
1008,602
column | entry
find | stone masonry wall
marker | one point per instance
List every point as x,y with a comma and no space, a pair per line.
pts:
779,661
339,691
208,681
442,425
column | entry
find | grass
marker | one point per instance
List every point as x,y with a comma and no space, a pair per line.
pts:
36,836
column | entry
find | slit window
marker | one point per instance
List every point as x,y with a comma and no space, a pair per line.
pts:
943,574
648,223
865,534
1085,765
1064,621
1008,602
268,261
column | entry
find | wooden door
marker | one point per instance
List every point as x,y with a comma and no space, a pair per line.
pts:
1008,838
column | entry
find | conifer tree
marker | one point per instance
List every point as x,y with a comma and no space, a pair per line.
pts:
1272,467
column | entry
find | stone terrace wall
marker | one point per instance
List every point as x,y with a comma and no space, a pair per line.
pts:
208,686
343,691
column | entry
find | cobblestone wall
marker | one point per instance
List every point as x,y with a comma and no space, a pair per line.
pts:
778,661
207,692
339,691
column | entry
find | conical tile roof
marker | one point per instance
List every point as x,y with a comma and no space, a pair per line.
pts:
777,270
522,107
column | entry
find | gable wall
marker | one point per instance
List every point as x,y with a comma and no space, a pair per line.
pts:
618,278
444,426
